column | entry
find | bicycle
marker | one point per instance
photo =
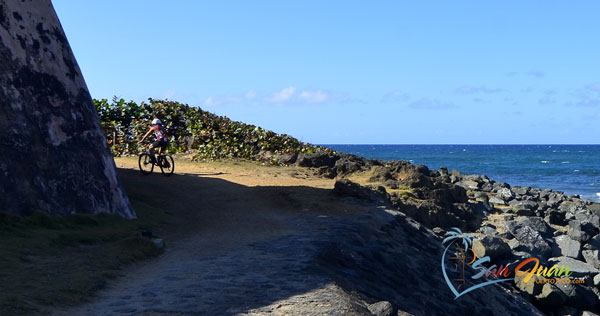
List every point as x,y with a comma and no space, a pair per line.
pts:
164,161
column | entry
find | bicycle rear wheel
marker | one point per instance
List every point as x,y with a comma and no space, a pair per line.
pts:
145,164
166,164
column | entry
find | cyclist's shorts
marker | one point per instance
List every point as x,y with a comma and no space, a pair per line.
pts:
160,143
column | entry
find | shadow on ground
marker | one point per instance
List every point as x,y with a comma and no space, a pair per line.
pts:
284,250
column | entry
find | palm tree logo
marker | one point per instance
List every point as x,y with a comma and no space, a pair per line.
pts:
454,237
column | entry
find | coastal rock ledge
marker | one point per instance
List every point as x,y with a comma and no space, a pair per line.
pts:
510,223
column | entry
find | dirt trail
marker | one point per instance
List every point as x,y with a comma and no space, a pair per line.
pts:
245,245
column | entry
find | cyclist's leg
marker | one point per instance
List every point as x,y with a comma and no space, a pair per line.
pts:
152,146
163,146
162,152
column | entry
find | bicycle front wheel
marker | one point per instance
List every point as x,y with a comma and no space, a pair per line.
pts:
145,164
167,165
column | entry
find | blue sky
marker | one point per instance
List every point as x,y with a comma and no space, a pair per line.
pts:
395,72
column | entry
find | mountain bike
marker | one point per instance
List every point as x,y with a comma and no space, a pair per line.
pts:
164,161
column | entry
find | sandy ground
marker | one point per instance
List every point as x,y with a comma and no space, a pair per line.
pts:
244,173
226,199
243,244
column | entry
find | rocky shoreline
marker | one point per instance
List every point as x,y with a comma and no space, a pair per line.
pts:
510,223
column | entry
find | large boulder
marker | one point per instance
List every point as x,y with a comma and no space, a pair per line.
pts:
593,243
496,200
348,164
538,224
383,308
55,158
505,194
566,246
528,205
581,231
592,257
345,187
555,198
493,247
532,286
551,296
317,160
286,158
469,184
529,238
577,268
577,295
554,216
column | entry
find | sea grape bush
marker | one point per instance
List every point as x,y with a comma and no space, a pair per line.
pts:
192,130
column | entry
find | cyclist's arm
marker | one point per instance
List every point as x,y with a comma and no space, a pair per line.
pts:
146,135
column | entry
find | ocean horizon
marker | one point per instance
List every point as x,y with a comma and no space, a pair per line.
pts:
573,169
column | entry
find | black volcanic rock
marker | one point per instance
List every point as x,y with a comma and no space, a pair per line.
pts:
530,238
581,231
345,187
395,259
348,164
317,160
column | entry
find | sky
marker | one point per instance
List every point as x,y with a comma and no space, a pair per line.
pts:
355,72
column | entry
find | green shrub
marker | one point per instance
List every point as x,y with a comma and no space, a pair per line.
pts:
192,130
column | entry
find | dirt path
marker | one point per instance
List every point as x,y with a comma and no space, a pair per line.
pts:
246,244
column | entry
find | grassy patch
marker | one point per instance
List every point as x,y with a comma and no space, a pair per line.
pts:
404,191
364,178
62,260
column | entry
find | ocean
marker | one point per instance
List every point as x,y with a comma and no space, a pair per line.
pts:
574,169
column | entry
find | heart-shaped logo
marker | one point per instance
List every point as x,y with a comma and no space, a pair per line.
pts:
455,237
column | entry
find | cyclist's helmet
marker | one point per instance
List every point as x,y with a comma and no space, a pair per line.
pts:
156,121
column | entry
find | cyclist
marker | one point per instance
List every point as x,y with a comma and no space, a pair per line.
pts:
161,142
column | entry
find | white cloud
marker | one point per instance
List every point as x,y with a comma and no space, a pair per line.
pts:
289,95
209,102
292,95
250,95
315,96
282,96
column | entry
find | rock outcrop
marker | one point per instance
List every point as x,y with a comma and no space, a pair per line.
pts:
426,195
394,262
54,157
512,223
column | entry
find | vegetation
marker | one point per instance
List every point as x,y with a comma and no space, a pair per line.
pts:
405,192
192,130
366,178
62,260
